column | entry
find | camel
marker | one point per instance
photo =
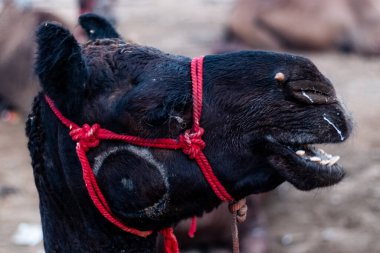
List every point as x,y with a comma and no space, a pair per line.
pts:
97,129
341,25
18,83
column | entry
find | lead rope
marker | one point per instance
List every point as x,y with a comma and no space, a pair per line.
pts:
239,214
237,208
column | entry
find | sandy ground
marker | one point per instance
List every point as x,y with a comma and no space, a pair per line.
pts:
340,219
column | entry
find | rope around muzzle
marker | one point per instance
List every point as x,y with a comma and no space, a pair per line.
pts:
190,142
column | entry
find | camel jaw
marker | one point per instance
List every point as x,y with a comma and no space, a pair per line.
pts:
303,165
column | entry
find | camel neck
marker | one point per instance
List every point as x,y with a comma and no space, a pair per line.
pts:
70,221
68,227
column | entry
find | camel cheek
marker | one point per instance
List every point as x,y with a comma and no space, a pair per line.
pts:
147,186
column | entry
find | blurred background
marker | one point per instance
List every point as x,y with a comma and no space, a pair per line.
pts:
342,37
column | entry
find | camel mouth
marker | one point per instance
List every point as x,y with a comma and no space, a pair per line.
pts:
304,165
318,156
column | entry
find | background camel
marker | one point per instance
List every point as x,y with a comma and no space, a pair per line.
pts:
343,25
18,85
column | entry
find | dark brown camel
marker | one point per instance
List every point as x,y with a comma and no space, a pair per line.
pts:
344,25
262,112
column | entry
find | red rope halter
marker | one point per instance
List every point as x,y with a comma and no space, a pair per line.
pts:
190,143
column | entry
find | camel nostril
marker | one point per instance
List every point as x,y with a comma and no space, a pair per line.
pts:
307,96
313,97
310,92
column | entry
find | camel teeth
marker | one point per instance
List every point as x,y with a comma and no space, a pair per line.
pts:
325,153
300,152
315,159
334,160
324,162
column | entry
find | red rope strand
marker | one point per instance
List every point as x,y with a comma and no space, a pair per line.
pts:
170,241
190,142
193,227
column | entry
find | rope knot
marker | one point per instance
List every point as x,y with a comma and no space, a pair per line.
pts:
86,136
192,143
239,208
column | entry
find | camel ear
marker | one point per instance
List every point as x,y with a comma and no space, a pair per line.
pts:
97,27
59,65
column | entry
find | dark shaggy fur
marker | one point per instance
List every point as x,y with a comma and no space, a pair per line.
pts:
253,124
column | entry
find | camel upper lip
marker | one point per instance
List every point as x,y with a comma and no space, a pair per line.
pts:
303,165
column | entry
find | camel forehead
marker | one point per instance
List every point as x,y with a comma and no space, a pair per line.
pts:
109,46
103,47
118,54
106,45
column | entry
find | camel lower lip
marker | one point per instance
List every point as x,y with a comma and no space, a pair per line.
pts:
306,168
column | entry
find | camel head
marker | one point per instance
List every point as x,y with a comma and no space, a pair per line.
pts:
262,114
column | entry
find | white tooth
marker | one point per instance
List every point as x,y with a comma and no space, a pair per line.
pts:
334,160
315,159
300,152
324,162
321,151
